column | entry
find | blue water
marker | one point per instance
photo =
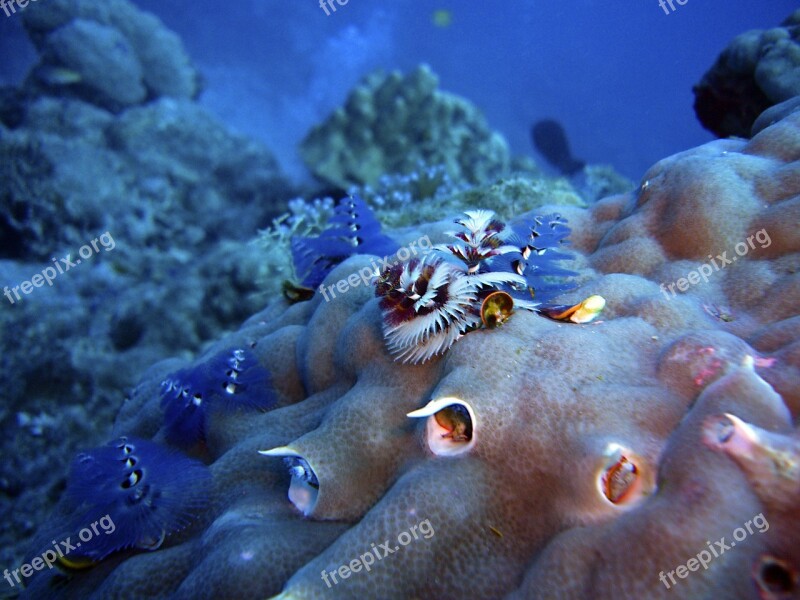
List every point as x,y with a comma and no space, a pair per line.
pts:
617,74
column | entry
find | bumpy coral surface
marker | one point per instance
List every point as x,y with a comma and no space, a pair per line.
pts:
760,68
109,53
650,454
391,124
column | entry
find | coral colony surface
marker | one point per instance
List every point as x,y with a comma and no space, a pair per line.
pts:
394,441
519,398
759,69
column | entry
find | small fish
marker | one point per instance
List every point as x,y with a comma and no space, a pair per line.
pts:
442,18
719,312
56,76
550,140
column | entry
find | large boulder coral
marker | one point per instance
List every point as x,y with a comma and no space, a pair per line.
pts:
118,55
605,460
391,124
758,69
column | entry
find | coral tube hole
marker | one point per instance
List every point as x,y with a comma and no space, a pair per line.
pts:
621,480
304,484
775,578
450,428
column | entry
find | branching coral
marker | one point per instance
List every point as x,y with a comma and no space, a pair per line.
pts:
395,192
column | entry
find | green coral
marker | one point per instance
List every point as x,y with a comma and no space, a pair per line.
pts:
508,197
391,124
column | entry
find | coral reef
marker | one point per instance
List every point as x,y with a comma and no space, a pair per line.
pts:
391,124
759,68
600,181
394,192
538,459
68,165
508,197
181,197
110,54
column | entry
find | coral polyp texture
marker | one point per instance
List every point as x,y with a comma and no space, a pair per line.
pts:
650,453
395,124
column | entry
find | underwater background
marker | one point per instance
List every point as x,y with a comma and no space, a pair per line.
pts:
513,284
618,77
